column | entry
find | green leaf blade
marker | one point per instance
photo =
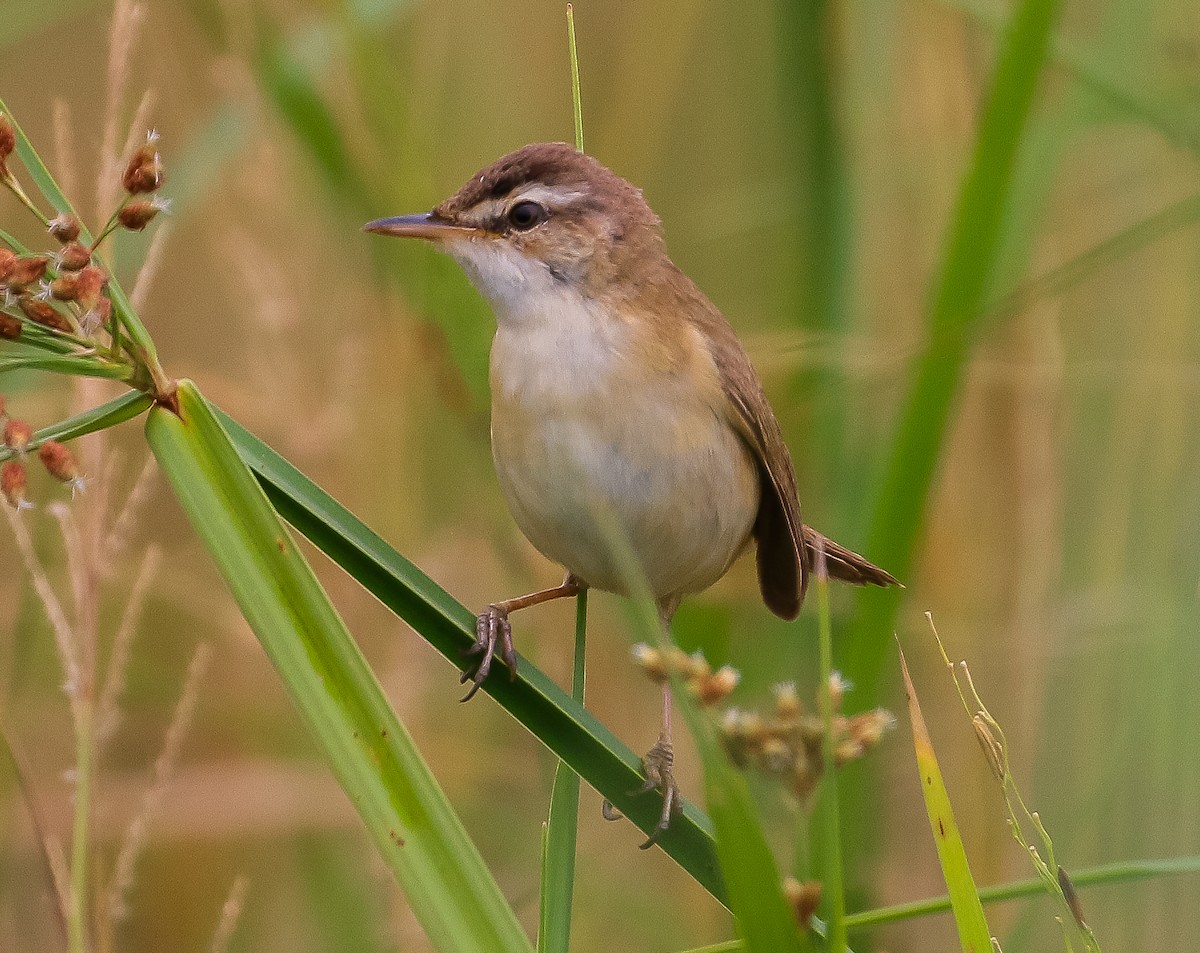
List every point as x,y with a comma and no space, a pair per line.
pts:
973,932
532,698
562,825
765,920
416,831
957,301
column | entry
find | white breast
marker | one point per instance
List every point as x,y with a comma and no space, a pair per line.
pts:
576,428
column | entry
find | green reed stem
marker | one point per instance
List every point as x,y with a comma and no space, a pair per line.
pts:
576,99
832,876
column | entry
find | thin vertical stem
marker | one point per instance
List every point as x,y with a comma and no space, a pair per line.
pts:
78,915
560,833
578,678
833,887
576,99
562,827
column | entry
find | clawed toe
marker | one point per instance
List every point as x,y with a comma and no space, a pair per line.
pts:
491,628
672,805
657,765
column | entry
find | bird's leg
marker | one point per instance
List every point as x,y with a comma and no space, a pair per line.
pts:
658,765
492,627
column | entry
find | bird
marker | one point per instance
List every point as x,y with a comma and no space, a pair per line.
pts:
619,388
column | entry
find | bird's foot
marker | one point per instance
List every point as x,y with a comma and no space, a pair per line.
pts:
491,627
657,765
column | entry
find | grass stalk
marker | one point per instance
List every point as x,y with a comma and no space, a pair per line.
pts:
958,297
412,824
562,826
833,889
79,909
1120,873
576,99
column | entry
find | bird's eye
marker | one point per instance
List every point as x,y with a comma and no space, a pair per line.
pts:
525,215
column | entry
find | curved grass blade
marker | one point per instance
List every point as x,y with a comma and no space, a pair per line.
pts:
560,723
562,825
412,824
1126,872
972,925
765,920
124,408
33,339
956,303
65,364
826,820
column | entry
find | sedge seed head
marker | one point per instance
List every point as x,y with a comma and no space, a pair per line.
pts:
847,750
678,661
17,434
65,287
716,687
88,285
95,318
26,270
7,260
137,215
869,727
144,173
696,666
776,756
13,483
43,313
10,327
65,227
787,701
650,661
59,461
804,898
73,256
838,686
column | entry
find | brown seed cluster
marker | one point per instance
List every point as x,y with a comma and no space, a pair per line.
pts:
64,227
144,171
804,898
707,686
66,291
788,740
55,457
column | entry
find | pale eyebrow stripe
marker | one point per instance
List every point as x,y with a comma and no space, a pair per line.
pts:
548,195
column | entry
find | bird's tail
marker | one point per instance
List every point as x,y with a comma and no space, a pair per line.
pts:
844,564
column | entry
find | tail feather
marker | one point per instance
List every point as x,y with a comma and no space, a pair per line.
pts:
843,564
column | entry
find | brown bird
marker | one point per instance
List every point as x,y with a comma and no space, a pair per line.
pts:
619,388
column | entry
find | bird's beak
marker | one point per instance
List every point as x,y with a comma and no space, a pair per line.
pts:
424,225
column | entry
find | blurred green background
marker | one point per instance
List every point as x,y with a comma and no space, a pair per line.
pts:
805,158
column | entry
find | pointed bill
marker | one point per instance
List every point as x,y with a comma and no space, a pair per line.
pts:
424,225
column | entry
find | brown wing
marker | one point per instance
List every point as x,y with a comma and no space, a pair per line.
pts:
786,547
783,559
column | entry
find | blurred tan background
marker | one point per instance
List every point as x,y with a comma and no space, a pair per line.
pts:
810,200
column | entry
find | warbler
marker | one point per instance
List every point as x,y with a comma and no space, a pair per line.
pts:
618,388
